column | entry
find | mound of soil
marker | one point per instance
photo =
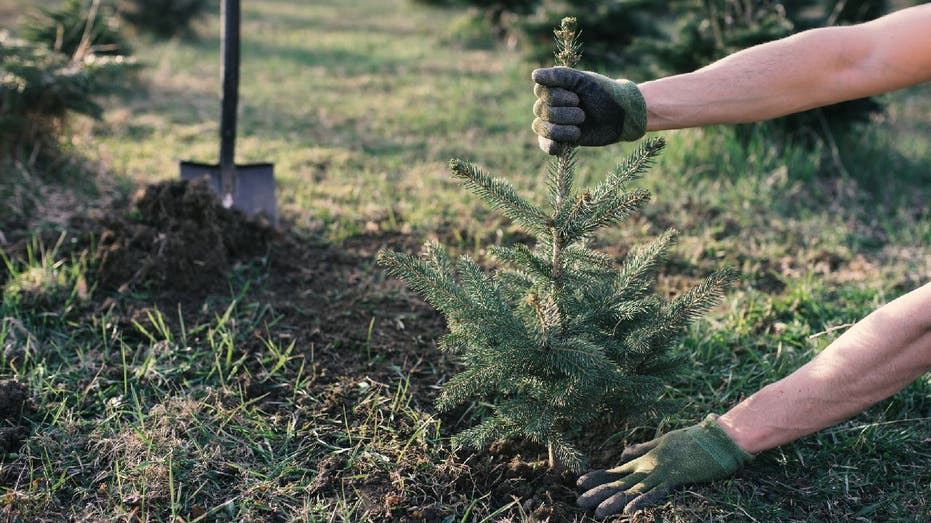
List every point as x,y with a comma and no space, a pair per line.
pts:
176,236
14,399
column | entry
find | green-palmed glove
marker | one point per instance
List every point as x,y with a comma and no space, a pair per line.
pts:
583,108
649,471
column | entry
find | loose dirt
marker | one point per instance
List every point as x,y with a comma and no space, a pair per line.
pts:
14,401
359,332
175,236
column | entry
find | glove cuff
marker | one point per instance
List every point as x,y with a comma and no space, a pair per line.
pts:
720,446
635,109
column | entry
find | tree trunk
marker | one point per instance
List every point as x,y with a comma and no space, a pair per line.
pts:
554,463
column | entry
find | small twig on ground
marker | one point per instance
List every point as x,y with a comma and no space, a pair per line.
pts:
19,340
835,13
84,46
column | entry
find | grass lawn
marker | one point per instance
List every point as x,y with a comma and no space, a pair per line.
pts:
299,386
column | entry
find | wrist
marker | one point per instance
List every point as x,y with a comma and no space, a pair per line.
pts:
722,447
629,97
663,111
748,439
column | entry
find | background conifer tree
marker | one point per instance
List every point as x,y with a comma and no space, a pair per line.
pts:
558,335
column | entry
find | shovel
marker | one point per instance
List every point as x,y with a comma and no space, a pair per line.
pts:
249,188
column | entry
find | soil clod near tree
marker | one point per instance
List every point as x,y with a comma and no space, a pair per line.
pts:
14,400
176,235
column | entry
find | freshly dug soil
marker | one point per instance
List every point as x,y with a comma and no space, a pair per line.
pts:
14,399
351,324
176,236
13,395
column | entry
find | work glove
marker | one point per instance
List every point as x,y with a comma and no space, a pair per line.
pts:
583,108
649,471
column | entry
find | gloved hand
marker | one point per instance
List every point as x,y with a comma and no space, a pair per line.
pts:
696,454
583,108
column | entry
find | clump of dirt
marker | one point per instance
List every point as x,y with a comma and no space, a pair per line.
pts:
176,236
14,400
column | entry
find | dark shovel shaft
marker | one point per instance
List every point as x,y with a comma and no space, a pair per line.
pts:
249,188
229,49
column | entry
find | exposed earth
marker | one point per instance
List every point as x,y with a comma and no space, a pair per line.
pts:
14,399
174,244
366,358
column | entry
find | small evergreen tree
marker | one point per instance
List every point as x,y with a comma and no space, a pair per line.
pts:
40,88
77,28
559,335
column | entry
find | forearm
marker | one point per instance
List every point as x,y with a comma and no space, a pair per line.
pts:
806,70
877,357
758,83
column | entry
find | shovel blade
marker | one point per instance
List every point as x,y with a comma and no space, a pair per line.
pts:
254,188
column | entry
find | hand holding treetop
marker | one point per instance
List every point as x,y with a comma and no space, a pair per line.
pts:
583,108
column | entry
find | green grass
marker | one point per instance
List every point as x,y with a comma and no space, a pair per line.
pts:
236,409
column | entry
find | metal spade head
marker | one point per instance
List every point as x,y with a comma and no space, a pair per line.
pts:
252,189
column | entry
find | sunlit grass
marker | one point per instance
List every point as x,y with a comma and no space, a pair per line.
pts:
216,414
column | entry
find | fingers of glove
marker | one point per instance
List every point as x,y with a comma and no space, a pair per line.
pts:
647,499
558,115
630,501
635,451
557,77
621,500
550,147
556,96
597,477
596,496
611,505
555,132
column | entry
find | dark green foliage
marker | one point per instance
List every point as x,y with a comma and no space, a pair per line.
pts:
653,38
668,36
77,27
819,13
40,87
511,6
610,26
496,17
559,335
164,18
707,30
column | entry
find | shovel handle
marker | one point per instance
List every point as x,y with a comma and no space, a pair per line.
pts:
230,13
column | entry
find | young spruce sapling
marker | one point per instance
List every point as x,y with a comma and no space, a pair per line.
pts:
558,335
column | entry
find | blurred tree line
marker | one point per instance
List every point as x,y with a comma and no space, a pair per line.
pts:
68,54
647,39
665,36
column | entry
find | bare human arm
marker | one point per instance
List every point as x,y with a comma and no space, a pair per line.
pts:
891,347
879,355
874,359
806,70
